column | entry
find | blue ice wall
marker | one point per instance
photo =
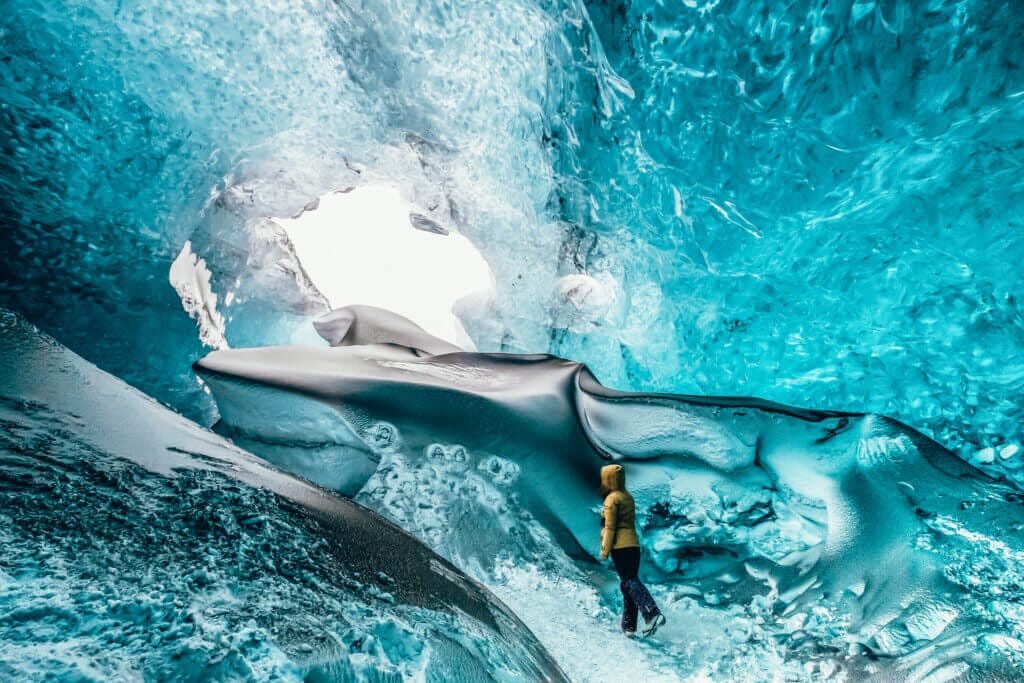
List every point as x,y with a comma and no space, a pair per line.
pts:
84,164
815,202
126,122
132,127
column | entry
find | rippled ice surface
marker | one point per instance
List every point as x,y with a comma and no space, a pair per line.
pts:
818,203
701,554
468,515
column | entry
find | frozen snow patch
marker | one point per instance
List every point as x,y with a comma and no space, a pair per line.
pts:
191,280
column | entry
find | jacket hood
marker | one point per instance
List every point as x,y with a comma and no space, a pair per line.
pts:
613,478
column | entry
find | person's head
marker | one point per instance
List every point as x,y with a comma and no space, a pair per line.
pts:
613,478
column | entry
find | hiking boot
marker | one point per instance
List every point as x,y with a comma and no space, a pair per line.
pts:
652,626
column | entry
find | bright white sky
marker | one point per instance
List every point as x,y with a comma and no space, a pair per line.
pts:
360,248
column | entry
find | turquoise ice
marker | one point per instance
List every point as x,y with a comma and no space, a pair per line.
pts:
138,545
813,203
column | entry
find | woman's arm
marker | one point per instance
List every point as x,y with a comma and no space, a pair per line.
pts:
609,517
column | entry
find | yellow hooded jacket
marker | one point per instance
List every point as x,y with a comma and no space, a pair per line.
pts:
618,519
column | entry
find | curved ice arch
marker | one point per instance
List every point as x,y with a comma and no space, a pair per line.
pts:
138,544
207,148
893,536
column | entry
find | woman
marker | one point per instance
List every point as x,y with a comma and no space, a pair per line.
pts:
619,539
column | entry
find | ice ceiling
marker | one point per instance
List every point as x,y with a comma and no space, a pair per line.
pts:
815,204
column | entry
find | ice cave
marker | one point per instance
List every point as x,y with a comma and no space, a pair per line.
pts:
322,321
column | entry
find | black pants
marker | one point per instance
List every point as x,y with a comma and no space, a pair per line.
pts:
635,596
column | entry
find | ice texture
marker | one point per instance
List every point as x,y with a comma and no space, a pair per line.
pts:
139,545
845,539
818,203
197,121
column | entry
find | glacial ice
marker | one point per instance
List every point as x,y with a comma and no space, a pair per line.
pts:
818,203
196,121
859,542
138,545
